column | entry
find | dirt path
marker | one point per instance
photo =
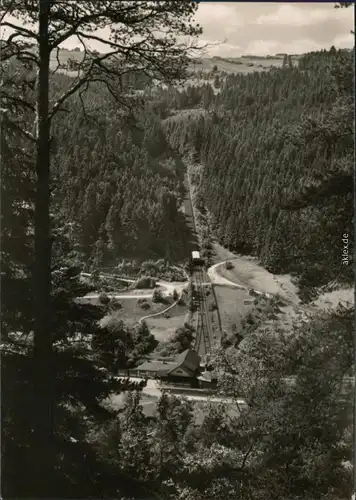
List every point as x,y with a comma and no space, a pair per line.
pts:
218,279
161,312
248,274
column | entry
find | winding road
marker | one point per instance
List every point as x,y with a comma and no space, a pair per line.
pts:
217,279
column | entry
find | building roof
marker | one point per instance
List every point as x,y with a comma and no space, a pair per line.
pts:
187,360
185,368
157,366
195,254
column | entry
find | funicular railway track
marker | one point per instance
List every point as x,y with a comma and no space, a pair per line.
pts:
199,277
204,332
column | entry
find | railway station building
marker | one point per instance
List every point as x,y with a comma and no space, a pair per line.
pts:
185,366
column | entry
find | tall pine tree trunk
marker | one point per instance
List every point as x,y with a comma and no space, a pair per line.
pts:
43,362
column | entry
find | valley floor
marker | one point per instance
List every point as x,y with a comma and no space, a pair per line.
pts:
248,274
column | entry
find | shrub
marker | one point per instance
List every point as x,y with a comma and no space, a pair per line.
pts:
250,319
225,340
157,295
144,305
167,315
229,265
175,295
207,244
145,282
115,304
212,306
168,349
161,264
183,337
104,299
191,305
209,262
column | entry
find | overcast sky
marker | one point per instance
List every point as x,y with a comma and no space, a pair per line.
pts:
262,28
269,28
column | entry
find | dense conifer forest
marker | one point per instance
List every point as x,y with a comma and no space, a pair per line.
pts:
118,182
271,143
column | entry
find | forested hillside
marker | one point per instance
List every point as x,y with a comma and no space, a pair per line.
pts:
276,141
118,182
115,179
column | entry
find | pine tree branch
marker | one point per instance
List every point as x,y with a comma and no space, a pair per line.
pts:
17,100
7,11
110,14
67,94
15,126
58,62
15,50
21,31
247,454
92,76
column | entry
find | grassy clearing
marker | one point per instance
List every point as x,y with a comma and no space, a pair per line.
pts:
241,319
232,307
247,272
213,312
162,327
64,55
131,311
330,300
245,64
236,306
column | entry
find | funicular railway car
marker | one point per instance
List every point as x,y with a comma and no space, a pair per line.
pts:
196,258
196,261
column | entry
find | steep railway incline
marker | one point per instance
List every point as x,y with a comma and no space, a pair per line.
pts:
205,339
204,332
